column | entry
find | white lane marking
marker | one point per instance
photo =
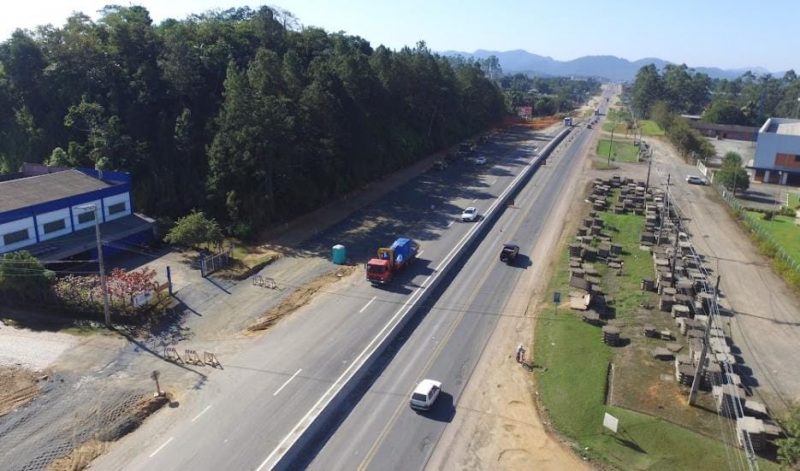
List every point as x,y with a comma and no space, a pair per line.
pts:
367,305
420,253
162,446
474,199
492,181
291,438
287,382
202,412
450,223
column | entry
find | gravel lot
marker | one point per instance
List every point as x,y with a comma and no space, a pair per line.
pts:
32,350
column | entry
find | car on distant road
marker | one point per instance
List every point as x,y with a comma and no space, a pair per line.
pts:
695,180
480,161
470,214
439,165
425,394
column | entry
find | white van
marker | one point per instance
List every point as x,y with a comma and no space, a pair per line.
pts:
425,394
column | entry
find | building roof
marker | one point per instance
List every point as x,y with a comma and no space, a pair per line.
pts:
785,126
792,129
29,191
724,127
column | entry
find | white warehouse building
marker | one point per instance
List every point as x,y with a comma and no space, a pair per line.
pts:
50,212
777,158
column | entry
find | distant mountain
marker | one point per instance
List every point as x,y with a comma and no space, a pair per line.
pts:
607,67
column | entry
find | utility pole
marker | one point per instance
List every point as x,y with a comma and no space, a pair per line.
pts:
103,286
611,144
700,365
649,164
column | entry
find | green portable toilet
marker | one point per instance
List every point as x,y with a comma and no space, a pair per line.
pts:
339,254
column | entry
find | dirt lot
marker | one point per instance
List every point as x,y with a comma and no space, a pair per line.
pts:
19,386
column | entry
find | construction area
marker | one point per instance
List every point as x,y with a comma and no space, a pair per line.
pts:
678,339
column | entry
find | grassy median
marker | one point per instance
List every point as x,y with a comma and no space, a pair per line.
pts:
621,151
650,128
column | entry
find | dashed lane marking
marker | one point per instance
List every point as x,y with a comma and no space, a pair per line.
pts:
287,382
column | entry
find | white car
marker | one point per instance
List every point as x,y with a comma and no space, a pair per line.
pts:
425,394
480,161
695,180
470,214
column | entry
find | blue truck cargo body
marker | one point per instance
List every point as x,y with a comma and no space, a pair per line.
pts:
403,250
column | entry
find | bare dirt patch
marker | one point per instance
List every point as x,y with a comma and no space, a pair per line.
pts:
299,298
18,386
80,457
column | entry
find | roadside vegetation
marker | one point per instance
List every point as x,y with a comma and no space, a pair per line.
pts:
621,151
793,200
782,231
240,113
547,95
747,100
731,174
577,385
26,284
650,128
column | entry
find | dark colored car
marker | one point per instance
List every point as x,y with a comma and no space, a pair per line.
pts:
509,253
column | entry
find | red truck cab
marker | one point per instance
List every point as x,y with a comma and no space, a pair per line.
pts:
390,260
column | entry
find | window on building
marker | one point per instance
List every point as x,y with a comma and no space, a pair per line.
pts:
116,208
85,217
16,236
54,226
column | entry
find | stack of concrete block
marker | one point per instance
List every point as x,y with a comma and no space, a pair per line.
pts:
684,370
726,397
679,310
712,375
753,430
611,335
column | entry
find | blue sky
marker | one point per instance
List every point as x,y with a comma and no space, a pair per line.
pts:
727,34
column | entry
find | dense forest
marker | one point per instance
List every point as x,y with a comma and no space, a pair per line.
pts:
239,113
748,100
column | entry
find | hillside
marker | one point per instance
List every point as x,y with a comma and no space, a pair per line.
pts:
607,67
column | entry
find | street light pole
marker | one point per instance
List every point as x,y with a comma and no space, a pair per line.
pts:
103,286
611,144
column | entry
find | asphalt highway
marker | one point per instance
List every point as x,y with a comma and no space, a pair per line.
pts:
241,415
382,431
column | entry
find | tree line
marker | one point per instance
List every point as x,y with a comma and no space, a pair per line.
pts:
239,113
547,95
747,100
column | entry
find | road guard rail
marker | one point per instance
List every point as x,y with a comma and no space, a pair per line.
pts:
306,434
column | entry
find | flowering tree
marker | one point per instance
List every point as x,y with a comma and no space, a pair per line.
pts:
126,284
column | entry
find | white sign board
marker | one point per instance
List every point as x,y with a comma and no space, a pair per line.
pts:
610,422
142,298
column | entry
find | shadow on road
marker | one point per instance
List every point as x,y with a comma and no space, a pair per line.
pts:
443,410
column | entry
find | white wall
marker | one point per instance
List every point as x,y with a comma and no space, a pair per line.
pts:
769,144
121,198
80,209
44,218
14,226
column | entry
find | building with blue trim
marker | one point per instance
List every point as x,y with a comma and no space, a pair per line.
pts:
49,211
777,158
